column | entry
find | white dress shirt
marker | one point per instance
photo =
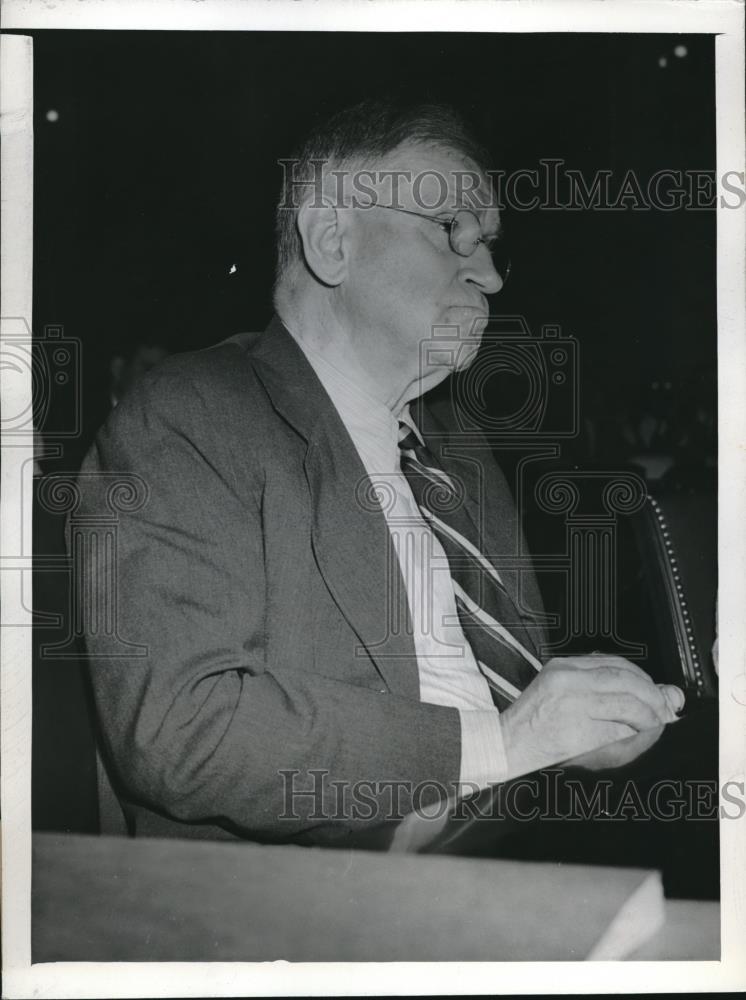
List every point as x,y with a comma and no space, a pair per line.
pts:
448,672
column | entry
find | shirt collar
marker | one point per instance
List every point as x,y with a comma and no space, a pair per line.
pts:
370,423
406,418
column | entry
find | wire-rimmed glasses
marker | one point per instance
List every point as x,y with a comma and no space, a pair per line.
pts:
464,235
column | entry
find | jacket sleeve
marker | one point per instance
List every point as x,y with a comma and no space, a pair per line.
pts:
204,727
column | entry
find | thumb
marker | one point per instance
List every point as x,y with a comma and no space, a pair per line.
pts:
674,697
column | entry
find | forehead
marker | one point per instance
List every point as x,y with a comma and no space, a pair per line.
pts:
432,178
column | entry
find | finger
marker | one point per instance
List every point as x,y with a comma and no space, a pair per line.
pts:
617,732
674,697
639,742
610,734
612,679
608,660
624,708
623,750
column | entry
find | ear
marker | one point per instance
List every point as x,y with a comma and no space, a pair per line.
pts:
322,232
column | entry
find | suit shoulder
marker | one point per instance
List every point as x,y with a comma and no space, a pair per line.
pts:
219,381
225,367
190,413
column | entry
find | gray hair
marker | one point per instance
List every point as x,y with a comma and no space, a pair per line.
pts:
369,130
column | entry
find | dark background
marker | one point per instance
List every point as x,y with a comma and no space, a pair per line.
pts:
160,175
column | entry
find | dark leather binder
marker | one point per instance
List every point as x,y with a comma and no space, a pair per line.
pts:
684,624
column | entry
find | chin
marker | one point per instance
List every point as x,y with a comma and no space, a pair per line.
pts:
467,351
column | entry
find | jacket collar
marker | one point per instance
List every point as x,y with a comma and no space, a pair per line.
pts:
290,381
350,537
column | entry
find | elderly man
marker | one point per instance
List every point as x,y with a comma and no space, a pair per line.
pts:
315,576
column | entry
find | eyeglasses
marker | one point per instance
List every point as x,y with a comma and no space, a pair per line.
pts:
464,236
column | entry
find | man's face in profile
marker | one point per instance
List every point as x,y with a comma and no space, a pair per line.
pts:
406,281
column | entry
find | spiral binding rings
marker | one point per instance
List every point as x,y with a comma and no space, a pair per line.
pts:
673,563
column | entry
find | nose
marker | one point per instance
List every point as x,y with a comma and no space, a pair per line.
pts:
479,269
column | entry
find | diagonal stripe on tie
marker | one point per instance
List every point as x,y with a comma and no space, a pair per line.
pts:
503,692
458,546
478,617
465,544
489,618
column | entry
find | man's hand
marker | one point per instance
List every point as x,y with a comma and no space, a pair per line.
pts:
616,754
580,703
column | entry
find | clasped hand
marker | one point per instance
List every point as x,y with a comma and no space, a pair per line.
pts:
580,704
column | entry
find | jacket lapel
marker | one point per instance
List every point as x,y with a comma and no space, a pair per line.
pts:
351,541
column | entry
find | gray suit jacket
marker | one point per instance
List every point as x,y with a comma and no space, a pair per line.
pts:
263,583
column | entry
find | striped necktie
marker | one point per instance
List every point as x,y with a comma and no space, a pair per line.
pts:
505,655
